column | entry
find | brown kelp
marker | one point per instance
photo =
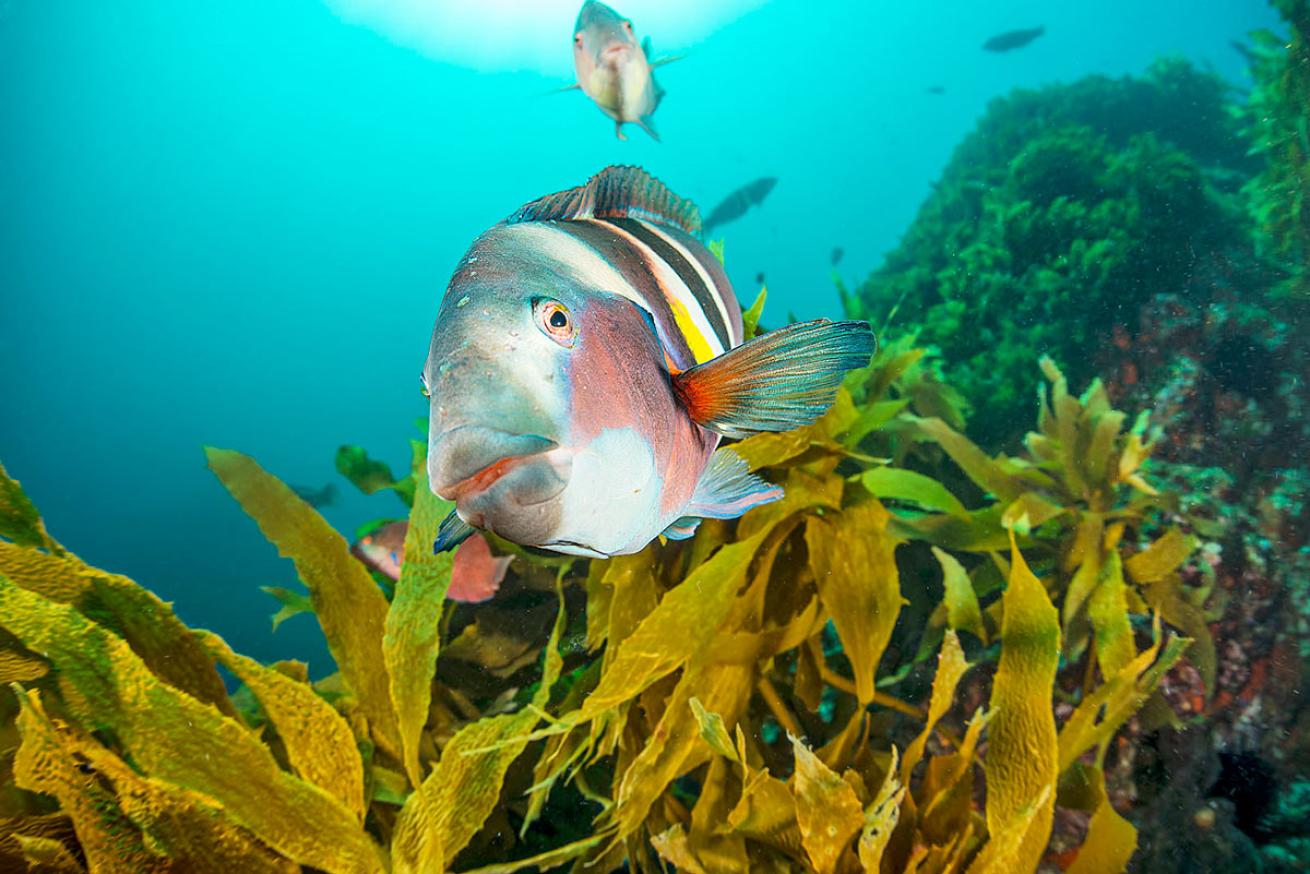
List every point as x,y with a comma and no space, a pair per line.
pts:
822,685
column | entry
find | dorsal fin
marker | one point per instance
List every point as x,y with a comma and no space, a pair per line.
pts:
615,192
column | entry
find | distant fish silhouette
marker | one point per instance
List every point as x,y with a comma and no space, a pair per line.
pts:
935,89
1013,39
321,497
735,205
1243,49
837,254
759,278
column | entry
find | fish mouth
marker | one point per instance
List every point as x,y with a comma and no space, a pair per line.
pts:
469,460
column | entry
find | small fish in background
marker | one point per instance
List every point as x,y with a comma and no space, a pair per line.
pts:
836,256
614,70
383,549
587,358
1244,50
935,89
735,205
316,497
759,278
1012,39
475,575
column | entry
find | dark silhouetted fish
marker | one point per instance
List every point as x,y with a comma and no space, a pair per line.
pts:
316,497
1013,39
837,254
1243,49
935,89
759,278
735,205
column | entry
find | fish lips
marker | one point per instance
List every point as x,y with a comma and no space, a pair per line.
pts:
468,463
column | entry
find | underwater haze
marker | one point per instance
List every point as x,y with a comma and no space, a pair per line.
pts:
984,544
231,223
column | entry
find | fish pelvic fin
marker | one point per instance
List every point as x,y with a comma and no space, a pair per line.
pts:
647,124
726,490
451,533
682,528
615,192
778,381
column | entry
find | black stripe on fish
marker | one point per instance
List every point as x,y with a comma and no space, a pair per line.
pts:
631,264
685,271
720,286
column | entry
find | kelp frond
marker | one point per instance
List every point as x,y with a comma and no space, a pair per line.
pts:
778,693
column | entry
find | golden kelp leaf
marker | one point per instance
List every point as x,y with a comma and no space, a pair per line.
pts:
319,743
827,810
674,848
546,861
1022,754
984,471
173,737
635,595
979,531
1111,840
770,449
1101,713
1007,850
750,318
717,850
1096,460
138,824
46,855
49,829
712,730
948,786
853,557
19,520
15,667
349,606
766,812
1165,598
107,837
684,621
1162,557
961,600
183,830
880,819
443,814
725,688
907,485
1028,511
138,616
413,624
951,666
1108,611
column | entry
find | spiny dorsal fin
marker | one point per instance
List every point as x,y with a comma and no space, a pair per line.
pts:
615,192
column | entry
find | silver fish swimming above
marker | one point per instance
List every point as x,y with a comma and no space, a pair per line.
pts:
614,70
587,358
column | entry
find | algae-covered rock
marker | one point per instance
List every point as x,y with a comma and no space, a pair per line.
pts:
1064,211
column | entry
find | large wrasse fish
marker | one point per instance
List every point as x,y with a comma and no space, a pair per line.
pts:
614,70
587,358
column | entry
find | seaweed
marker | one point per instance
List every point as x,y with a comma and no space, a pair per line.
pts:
1064,212
1277,122
754,698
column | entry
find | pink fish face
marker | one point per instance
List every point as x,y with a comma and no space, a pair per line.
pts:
553,423
384,549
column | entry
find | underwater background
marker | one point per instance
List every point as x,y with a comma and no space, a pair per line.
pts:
230,224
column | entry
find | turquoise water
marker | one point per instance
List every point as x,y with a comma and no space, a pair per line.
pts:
230,223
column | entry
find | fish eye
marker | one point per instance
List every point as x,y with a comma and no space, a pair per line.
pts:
423,383
555,321
627,25
577,39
